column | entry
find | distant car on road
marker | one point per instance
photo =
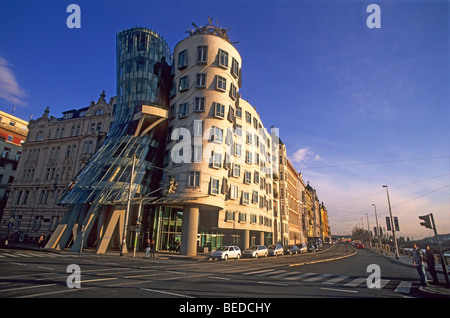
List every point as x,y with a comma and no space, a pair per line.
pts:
291,250
361,246
256,251
226,252
276,250
302,248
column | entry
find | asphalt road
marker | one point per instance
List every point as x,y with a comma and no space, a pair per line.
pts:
340,271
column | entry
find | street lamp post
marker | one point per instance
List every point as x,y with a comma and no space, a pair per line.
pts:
376,219
392,223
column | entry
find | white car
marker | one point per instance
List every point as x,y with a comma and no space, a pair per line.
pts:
256,251
302,248
226,252
276,250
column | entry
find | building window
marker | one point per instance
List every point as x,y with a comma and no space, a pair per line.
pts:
182,59
194,179
223,58
214,186
248,117
199,104
245,197
183,110
201,80
238,149
255,197
202,54
229,215
234,192
184,83
217,160
221,83
216,134
238,130
247,177
235,68
236,170
233,91
238,111
219,110
242,217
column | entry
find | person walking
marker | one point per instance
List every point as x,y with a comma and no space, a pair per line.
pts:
147,248
152,249
418,263
429,258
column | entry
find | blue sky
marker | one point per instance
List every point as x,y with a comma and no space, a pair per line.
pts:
356,107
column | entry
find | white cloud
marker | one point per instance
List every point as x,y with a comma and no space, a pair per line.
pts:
10,89
304,155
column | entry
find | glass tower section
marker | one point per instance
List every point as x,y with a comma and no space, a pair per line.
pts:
137,133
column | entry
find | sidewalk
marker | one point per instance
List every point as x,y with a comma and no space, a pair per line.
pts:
440,290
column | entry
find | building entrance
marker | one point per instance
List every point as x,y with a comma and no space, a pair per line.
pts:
167,227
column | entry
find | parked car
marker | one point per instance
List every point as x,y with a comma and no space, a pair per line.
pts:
291,249
256,251
302,248
275,250
226,252
312,248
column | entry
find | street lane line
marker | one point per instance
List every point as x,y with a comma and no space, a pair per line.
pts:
335,280
166,293
260,271
300,276
27,287
23,255
316,278
340,290
48,268
275,284
220,278
356,282
10,255
403,287
275,271
18,264
383,282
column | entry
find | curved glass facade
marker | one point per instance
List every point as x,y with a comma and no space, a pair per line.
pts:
136,133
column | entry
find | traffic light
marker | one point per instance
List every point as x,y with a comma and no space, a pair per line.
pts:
172,186
426,221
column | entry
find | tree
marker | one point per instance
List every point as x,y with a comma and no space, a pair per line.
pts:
359,234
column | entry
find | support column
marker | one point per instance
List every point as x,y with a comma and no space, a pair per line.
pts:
261,238
189,231
246,241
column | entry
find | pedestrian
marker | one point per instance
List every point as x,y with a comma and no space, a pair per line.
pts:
418,263
152,248
147,248
429,258
41,241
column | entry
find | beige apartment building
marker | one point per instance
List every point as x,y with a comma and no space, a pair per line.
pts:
218,150
54,152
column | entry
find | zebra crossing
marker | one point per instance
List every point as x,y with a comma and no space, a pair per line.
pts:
402,287
31,254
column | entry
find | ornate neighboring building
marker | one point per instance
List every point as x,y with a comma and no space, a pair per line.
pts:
54,152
